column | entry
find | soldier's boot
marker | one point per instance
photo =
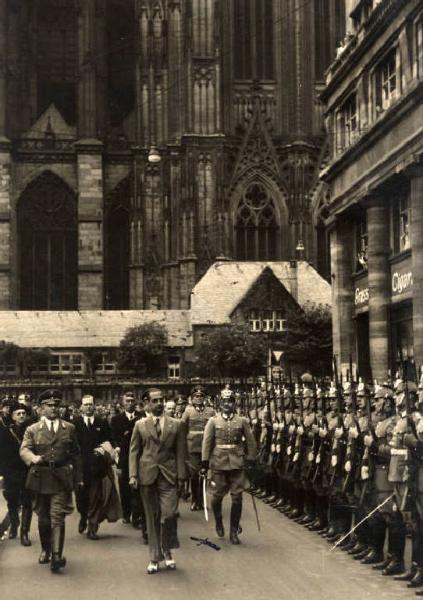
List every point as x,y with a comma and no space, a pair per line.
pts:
14,522
25,525
44,531
408,575
58,561
236,510
216,505
417,580
194,493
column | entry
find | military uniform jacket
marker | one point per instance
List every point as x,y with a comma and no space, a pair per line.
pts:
61,467
150,455
223,443
195,423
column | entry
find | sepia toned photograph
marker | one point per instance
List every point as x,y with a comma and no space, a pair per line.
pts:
211,299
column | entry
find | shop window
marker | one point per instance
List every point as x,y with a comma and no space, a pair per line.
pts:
256,226
387,81
402,344
401,224
362,243
347,123
173,367
253,39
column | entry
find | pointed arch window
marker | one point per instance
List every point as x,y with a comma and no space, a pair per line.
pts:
256,225
117,248
253,39
48,245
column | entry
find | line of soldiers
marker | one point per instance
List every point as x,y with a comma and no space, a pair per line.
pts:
347,463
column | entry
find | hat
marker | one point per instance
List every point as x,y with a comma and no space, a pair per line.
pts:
362,389
198,390
13,405
379,392
5,401
129,395
226,394
332,391
347,388
308,393
50,394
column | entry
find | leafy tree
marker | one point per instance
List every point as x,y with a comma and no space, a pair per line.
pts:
142,347
307,343
231,350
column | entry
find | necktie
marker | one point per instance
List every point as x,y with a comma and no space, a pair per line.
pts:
157,424
52,427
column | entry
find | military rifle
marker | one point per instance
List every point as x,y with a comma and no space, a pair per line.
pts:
340,422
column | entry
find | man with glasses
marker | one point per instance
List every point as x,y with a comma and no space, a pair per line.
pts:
51,451
14,472
157,457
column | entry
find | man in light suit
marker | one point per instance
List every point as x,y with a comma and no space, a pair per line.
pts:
157,456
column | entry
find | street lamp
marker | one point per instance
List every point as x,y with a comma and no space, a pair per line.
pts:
154,155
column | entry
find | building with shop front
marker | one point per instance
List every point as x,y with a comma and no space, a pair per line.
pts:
374,114
82,344
227,91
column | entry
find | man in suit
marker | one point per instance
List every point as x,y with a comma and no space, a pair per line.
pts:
50,449
157,457
91,432
223,451
14,472
122,426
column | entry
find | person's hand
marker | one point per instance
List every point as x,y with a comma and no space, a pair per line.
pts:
323,432
99,450
368,440
339,432
37,459
353,433
300,430
181,486
133,483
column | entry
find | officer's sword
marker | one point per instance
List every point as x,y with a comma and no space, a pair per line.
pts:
206,512
255,511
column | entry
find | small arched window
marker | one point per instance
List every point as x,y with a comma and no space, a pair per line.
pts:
256,225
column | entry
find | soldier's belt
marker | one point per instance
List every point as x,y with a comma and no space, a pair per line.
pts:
399,451
198,432
226,446
53,464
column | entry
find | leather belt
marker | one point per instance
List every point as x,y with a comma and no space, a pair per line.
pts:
53,464
226,446
196,432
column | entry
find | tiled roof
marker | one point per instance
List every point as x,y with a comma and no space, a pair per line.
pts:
83,329
225,284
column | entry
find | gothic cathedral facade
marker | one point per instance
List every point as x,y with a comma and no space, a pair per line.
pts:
226,92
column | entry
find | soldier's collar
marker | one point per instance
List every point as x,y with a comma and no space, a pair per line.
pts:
228,417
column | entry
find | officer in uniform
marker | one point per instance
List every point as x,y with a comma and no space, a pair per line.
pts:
195,419
223,451
50,449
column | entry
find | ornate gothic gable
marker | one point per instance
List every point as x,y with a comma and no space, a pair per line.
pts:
257,149
51,123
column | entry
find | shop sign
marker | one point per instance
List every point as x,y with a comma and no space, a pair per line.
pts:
361,293
401,279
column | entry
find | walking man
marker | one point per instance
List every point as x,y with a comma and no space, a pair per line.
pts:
157,458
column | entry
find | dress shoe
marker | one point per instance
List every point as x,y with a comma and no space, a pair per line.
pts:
419,593
270,499
279,503
92,534
417,580
361,555
323,532
395,567
25,541
408,575
345,542
169,562
194,506
153,567
293,514
57,562
44,557
372,558
306,520
13,532
220,530
381,566
330,532
332,539
262,495
83,525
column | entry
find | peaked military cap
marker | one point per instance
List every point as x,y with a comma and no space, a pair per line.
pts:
50,394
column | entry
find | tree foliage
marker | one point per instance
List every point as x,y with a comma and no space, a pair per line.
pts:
142,347
231,350
307,343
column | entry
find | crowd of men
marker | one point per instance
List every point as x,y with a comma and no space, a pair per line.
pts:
343,460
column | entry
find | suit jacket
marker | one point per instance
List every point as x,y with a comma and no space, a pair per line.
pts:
11,463
150,455
122,429
61,448
90,438
224,443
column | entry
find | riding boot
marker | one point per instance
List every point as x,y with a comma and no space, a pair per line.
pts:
216,505
25,525
236,510
14,522
57,543
44,531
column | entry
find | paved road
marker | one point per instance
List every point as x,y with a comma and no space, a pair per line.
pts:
283,562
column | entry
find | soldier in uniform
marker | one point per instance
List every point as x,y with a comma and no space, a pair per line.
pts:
181,404
195,419
50,449
223,451
14,472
